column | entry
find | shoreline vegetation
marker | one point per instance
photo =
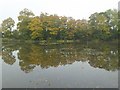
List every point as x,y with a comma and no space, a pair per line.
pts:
55,42
53,29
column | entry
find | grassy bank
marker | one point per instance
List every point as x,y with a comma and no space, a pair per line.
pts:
42,42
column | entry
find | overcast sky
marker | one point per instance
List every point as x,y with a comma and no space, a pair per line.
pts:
77,9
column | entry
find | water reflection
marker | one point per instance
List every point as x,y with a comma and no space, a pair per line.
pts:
98,55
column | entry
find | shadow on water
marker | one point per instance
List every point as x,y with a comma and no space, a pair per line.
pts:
102,55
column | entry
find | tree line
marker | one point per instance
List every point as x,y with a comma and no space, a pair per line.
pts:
101,26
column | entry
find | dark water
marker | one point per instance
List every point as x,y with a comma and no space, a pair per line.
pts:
78,65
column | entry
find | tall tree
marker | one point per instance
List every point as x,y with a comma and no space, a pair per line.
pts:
24,19
53,25
7,26
36,28
112,21
104,24
98,23
82,29
71,23
44,19
62,34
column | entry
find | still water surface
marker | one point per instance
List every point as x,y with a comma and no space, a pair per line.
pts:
78,65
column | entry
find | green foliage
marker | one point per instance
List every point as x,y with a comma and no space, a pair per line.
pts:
71,23
82,30
104,24
6,27
101,26
24,20
15,34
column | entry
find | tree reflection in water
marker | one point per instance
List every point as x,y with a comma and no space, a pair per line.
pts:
98,55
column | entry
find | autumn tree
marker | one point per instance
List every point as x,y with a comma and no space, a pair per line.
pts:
36,28
62,34
82,30
101,25
24,19
71,23
44,19
53,25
